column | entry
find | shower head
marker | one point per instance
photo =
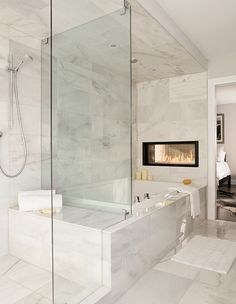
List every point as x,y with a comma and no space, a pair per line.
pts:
27,57
24,59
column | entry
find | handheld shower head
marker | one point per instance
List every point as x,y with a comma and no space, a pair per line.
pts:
24,59
27,57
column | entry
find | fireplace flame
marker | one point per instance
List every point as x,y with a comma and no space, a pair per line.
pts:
179,159
174,156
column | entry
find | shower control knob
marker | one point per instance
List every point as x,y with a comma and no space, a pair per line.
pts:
1,134
146,196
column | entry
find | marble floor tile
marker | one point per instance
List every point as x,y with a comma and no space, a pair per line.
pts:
156,287
11,292
181,270
170,282
65,290
218,280
6,263
28,275
34,298
200,293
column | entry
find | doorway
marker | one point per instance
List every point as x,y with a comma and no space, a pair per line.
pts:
222,149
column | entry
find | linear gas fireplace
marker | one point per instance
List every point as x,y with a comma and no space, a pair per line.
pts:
173,153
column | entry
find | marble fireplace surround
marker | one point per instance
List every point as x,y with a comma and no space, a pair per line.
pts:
114,258
172,109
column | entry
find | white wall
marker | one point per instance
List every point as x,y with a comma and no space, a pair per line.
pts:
171,110
11,149
229,111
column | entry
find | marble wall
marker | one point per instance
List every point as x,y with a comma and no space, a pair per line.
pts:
11,149
173,109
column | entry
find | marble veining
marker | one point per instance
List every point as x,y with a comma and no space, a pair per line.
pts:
88,218
173,109
29,83
141,242
91,113
24,283
193,284
29,240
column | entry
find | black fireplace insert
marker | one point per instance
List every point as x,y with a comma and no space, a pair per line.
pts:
171,153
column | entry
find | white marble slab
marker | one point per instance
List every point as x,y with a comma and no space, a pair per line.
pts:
34,299
6,263
206,294
12,156
28,275
11,292
65,290
173,109
178,269
30,240
139,243
156,287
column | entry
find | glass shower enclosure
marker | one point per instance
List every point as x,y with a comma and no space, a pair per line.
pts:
86,145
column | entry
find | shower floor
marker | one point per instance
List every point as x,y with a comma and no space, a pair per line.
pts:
87,217
24,283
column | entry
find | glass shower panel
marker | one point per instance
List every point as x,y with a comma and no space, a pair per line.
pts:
91,114
91,147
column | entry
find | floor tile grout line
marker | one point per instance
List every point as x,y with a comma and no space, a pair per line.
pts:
11,267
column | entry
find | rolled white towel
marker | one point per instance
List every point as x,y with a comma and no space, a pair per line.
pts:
36,192
38,202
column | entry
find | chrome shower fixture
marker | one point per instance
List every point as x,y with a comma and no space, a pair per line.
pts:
14,93
24,59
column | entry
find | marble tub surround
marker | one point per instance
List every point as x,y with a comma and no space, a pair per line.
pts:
140,242
173,109
114,257
161,193
97,219
193,285
77,249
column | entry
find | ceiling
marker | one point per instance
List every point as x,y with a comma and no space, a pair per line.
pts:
32,17
210,24
158,54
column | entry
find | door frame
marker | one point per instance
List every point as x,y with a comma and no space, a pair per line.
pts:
212,144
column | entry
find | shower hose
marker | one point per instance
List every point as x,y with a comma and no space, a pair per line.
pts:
15,91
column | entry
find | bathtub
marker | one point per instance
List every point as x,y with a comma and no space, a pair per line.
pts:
155,187
143,240
118,255
161,196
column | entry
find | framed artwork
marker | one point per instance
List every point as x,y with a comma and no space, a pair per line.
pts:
220,128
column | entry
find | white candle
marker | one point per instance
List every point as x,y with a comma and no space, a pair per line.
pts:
144,174
138,175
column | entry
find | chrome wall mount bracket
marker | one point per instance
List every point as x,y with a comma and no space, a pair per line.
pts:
45,41
126,7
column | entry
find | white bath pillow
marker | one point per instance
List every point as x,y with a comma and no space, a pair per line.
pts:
221,156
